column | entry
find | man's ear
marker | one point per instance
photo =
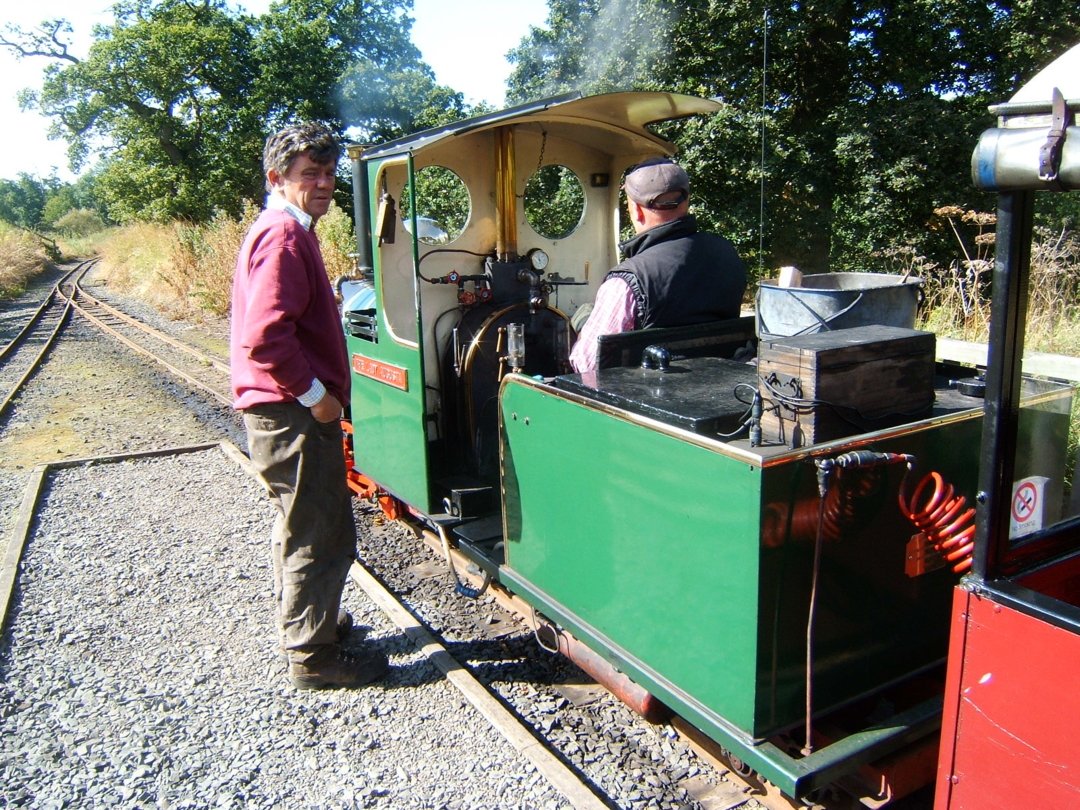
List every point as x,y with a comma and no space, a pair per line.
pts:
273,178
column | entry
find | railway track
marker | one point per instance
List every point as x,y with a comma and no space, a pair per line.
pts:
198,369
713,784
26,351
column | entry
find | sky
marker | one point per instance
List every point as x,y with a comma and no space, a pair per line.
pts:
464,41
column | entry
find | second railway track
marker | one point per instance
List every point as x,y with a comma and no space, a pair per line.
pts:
27,348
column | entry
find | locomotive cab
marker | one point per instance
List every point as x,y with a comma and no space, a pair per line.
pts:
486,238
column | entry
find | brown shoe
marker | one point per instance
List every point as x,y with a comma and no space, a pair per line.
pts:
338,668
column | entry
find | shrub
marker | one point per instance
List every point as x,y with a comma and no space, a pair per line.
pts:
79,222
203,260
338,242
24,256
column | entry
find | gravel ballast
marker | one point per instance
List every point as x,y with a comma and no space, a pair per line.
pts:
139,668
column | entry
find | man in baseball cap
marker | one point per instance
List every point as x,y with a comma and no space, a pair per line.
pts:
672,274
658,184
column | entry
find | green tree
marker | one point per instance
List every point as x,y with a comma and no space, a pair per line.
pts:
856,119
22,201
160,97
63,198
307,49
79,222
382,104
592,46
177,96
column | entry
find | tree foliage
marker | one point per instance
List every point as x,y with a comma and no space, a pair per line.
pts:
31,202
594,46
847,123
22,201
176,97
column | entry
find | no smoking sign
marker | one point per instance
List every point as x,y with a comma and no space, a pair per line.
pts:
1027,505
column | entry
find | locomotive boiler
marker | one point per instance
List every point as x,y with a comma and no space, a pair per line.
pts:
761,530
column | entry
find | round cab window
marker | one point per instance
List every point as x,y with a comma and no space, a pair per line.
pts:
442,206
554,202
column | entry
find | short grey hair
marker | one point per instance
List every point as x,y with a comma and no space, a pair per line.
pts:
318,140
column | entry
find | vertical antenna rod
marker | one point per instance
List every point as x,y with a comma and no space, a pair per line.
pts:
761,210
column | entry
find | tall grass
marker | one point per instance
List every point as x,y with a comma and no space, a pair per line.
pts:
203,258
958,295
22,256
186,269
135,259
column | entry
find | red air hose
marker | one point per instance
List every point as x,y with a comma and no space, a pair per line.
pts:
943,519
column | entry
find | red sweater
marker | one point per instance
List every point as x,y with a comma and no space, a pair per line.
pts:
286,331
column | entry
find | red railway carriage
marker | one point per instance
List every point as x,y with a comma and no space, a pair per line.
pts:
1012,702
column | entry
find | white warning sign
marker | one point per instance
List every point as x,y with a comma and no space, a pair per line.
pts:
1027,510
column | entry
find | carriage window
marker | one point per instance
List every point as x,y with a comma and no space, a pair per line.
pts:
442,206
554,202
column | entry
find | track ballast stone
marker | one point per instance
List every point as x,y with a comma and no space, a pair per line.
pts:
138,668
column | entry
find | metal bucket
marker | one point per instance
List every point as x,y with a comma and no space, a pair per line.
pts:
827,301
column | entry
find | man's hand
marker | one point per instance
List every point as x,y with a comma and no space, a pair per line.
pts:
326,409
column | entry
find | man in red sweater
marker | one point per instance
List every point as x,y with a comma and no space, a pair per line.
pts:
290,377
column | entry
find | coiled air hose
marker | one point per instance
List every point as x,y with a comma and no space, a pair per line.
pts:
941,516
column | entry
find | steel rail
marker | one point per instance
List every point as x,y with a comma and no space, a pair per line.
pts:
29,325
26,516
742,786
518,733
208,359
28,329
86,311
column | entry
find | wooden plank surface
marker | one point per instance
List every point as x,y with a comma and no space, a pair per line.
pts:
1057,366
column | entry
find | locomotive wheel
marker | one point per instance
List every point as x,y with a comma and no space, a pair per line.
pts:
737,765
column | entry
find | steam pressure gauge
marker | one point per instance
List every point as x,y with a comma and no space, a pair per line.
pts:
538,259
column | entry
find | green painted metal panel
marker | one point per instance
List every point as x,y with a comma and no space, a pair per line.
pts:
389,422
389,431
690,568
644,536
693,568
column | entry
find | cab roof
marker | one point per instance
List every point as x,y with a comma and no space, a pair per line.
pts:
1035,96
608,120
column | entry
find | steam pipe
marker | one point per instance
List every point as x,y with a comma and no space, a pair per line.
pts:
505,202
361,211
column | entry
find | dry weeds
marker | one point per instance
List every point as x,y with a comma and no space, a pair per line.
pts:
24,256
186,270
958,296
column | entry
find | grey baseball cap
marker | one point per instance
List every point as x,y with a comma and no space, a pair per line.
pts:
654,178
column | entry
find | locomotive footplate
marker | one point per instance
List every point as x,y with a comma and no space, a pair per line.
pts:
481,540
